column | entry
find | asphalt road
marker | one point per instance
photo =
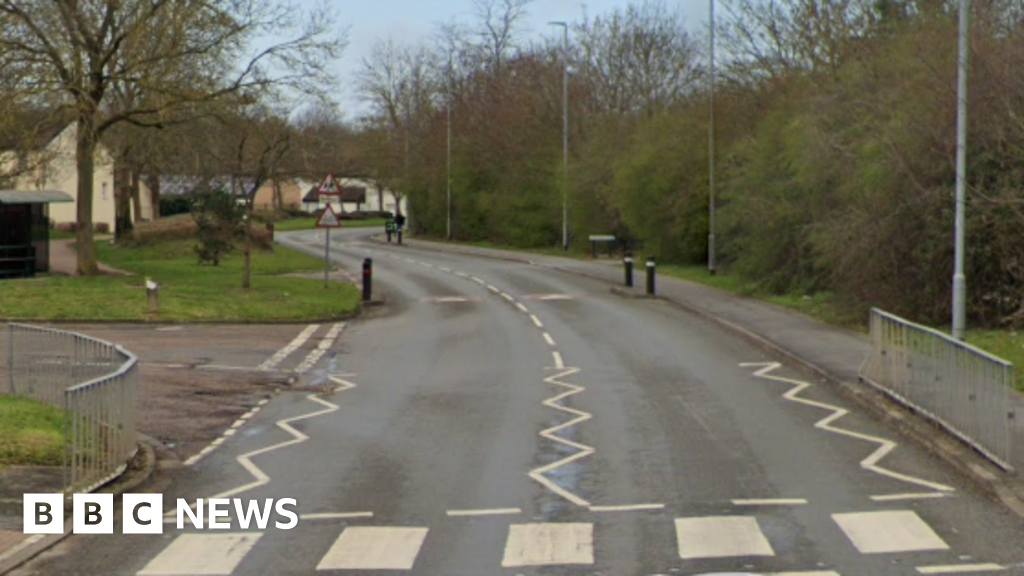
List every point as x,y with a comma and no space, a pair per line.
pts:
500,418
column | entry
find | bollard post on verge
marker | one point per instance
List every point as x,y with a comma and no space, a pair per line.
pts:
152,296
627,263
650,275
367,279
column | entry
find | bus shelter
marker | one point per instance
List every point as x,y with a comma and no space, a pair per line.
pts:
25,231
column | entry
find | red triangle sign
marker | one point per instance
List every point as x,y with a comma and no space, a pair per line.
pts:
328,219
329,186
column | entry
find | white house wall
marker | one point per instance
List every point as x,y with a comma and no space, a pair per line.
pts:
61,173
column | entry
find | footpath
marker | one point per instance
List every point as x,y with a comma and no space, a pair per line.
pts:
829,353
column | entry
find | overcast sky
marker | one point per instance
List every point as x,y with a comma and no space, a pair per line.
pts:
414,20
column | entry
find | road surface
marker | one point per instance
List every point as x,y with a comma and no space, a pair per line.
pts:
501,418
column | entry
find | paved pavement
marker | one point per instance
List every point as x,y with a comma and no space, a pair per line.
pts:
833,354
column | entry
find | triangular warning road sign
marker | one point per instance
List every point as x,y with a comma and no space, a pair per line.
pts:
329,186
328,219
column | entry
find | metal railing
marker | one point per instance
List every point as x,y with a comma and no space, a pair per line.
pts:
94,382
961,388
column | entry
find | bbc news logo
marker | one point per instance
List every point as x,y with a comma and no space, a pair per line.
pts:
143,513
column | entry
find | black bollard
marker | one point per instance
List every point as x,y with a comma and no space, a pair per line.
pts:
389,236
399,236
627,262
367,279
650,275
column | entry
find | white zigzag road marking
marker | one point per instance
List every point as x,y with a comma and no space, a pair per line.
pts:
550,434
246,459
869,463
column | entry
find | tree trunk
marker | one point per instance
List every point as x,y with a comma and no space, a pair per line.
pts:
247,244
85,156
136,196
122,199
153,183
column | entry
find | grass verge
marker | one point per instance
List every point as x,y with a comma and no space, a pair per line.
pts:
31,433
188,291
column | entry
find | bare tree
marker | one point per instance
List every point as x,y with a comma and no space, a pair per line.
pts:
176,53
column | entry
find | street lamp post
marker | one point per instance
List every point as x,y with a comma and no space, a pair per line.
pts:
959,279
449,107
711,139
565,132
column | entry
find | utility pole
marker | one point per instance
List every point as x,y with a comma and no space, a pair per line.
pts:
565,132
711,140
959,279
451,98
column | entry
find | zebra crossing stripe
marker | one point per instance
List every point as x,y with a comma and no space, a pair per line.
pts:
889,531
548,544
374,548
202,554
283,353
721,537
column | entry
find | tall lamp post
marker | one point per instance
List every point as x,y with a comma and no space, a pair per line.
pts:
959,279
711,139
451,98
565,132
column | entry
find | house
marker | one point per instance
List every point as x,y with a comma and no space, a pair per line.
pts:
50,165
287,190
357,195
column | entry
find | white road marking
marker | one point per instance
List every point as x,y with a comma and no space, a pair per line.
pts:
410,260
888,531
486,512
283,353
508,297
321,349
522,308
335,515
494,289
811,573
205,554
449,299
462,274
960,568
721,537
245,460
770,502
479,281
910,496
536,321
580,417
549,544
192,460
444,269
627,508
549,297
374,548
559,363
30,541
549,339
869,463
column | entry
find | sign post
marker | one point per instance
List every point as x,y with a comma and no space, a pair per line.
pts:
327,220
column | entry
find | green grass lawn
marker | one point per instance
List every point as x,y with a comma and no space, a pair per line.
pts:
293,224
30,433
188,291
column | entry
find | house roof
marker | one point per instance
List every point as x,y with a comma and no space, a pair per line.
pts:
33,196
33,129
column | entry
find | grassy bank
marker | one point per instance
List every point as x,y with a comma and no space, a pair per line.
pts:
30,433
188,291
